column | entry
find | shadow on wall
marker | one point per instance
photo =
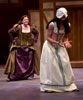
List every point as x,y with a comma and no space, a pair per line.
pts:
8,17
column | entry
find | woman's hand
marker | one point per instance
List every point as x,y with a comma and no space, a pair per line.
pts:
60,44
67,44
14,41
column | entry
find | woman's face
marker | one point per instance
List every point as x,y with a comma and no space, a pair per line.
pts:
63,18
25,21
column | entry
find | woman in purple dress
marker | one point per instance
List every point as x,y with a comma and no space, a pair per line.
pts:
22,62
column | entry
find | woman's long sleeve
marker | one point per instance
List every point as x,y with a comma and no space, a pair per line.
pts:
36,34
12,34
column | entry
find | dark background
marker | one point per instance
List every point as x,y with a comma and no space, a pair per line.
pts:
9,15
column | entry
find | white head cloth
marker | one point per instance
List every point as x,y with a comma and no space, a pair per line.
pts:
61,12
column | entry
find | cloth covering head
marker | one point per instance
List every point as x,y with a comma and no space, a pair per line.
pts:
61,12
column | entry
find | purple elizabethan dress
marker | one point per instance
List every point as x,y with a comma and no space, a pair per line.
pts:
22,60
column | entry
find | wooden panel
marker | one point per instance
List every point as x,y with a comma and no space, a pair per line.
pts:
81,32
4,1
74,35
48,5
35,20
47,13
75,11
47,16
75,16
77,64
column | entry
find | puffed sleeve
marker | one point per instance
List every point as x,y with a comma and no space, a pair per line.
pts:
16,28
12,34
35,33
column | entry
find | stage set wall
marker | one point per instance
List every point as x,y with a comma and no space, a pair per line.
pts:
47,12
41,12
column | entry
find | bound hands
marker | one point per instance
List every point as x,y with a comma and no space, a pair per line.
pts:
59,43
67,44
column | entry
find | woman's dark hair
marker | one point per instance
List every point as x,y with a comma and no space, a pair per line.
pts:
53,20
65,23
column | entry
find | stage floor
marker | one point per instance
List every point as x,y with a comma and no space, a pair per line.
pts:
29,89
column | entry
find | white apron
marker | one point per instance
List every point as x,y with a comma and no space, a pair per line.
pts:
55,69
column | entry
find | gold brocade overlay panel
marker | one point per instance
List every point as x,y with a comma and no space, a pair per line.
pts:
35,20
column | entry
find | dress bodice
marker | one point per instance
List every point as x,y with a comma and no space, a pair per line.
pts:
58,33
24,38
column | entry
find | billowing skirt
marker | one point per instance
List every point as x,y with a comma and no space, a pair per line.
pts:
21,63
55,69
